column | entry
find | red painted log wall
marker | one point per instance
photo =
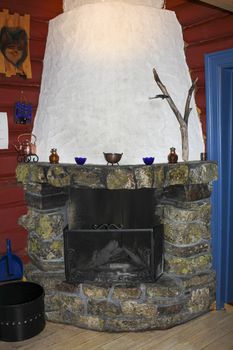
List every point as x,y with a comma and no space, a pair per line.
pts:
206,29
12,204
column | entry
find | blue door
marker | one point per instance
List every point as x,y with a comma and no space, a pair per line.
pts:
219,93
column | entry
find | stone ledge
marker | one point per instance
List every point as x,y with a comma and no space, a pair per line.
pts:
166,303
117,177
128,315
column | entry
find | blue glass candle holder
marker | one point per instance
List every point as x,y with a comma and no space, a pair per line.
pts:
148,160
80,160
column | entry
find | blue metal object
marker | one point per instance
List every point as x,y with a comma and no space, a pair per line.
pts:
219,93
23,112
11,266
80,160
148,160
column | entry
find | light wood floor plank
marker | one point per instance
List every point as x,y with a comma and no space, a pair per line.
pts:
213,331
224,343
61,339
156,337
90,341
217,331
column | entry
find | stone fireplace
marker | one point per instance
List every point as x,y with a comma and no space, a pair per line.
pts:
167,204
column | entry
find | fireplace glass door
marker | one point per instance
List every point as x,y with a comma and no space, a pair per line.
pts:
113,255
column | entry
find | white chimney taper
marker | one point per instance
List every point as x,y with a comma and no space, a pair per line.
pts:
97,80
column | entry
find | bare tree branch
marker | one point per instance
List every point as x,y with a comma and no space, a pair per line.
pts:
169,99
159,96
182,121
187,109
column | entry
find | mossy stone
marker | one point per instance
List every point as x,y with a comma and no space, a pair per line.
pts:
120,178
29,220
203,173
199,212
199,300
93,291
164,287
38,174
23,173
185,266
122,293
159,176
87,177
177,175
50,225
91,322
58,176
144,177
135,309
185,233
103,307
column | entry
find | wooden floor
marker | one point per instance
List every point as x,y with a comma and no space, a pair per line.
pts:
213,331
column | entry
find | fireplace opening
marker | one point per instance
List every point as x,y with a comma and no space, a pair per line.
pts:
112,236
126,208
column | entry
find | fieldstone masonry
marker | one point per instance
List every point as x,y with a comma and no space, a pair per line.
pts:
187,287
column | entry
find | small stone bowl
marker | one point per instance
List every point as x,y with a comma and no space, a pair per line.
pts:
148,160
80,160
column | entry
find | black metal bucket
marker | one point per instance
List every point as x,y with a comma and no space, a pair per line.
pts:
22,313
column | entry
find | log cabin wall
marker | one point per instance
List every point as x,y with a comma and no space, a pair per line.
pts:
206,29
12,204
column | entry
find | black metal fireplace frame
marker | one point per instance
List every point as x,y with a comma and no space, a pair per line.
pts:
155,267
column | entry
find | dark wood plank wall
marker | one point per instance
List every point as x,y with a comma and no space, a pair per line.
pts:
205,28
12,204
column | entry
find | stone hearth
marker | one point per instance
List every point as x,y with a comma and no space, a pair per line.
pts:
184,291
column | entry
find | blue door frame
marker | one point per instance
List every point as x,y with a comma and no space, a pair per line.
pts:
219,94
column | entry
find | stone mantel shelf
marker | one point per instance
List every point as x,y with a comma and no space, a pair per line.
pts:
117,177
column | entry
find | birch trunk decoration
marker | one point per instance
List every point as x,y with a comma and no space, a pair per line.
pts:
183,121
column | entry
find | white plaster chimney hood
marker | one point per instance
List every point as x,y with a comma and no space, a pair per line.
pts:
97,80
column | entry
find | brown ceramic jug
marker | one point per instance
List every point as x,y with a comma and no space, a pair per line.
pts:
54,157
172,157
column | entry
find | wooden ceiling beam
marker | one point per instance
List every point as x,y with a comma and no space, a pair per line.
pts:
224,4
